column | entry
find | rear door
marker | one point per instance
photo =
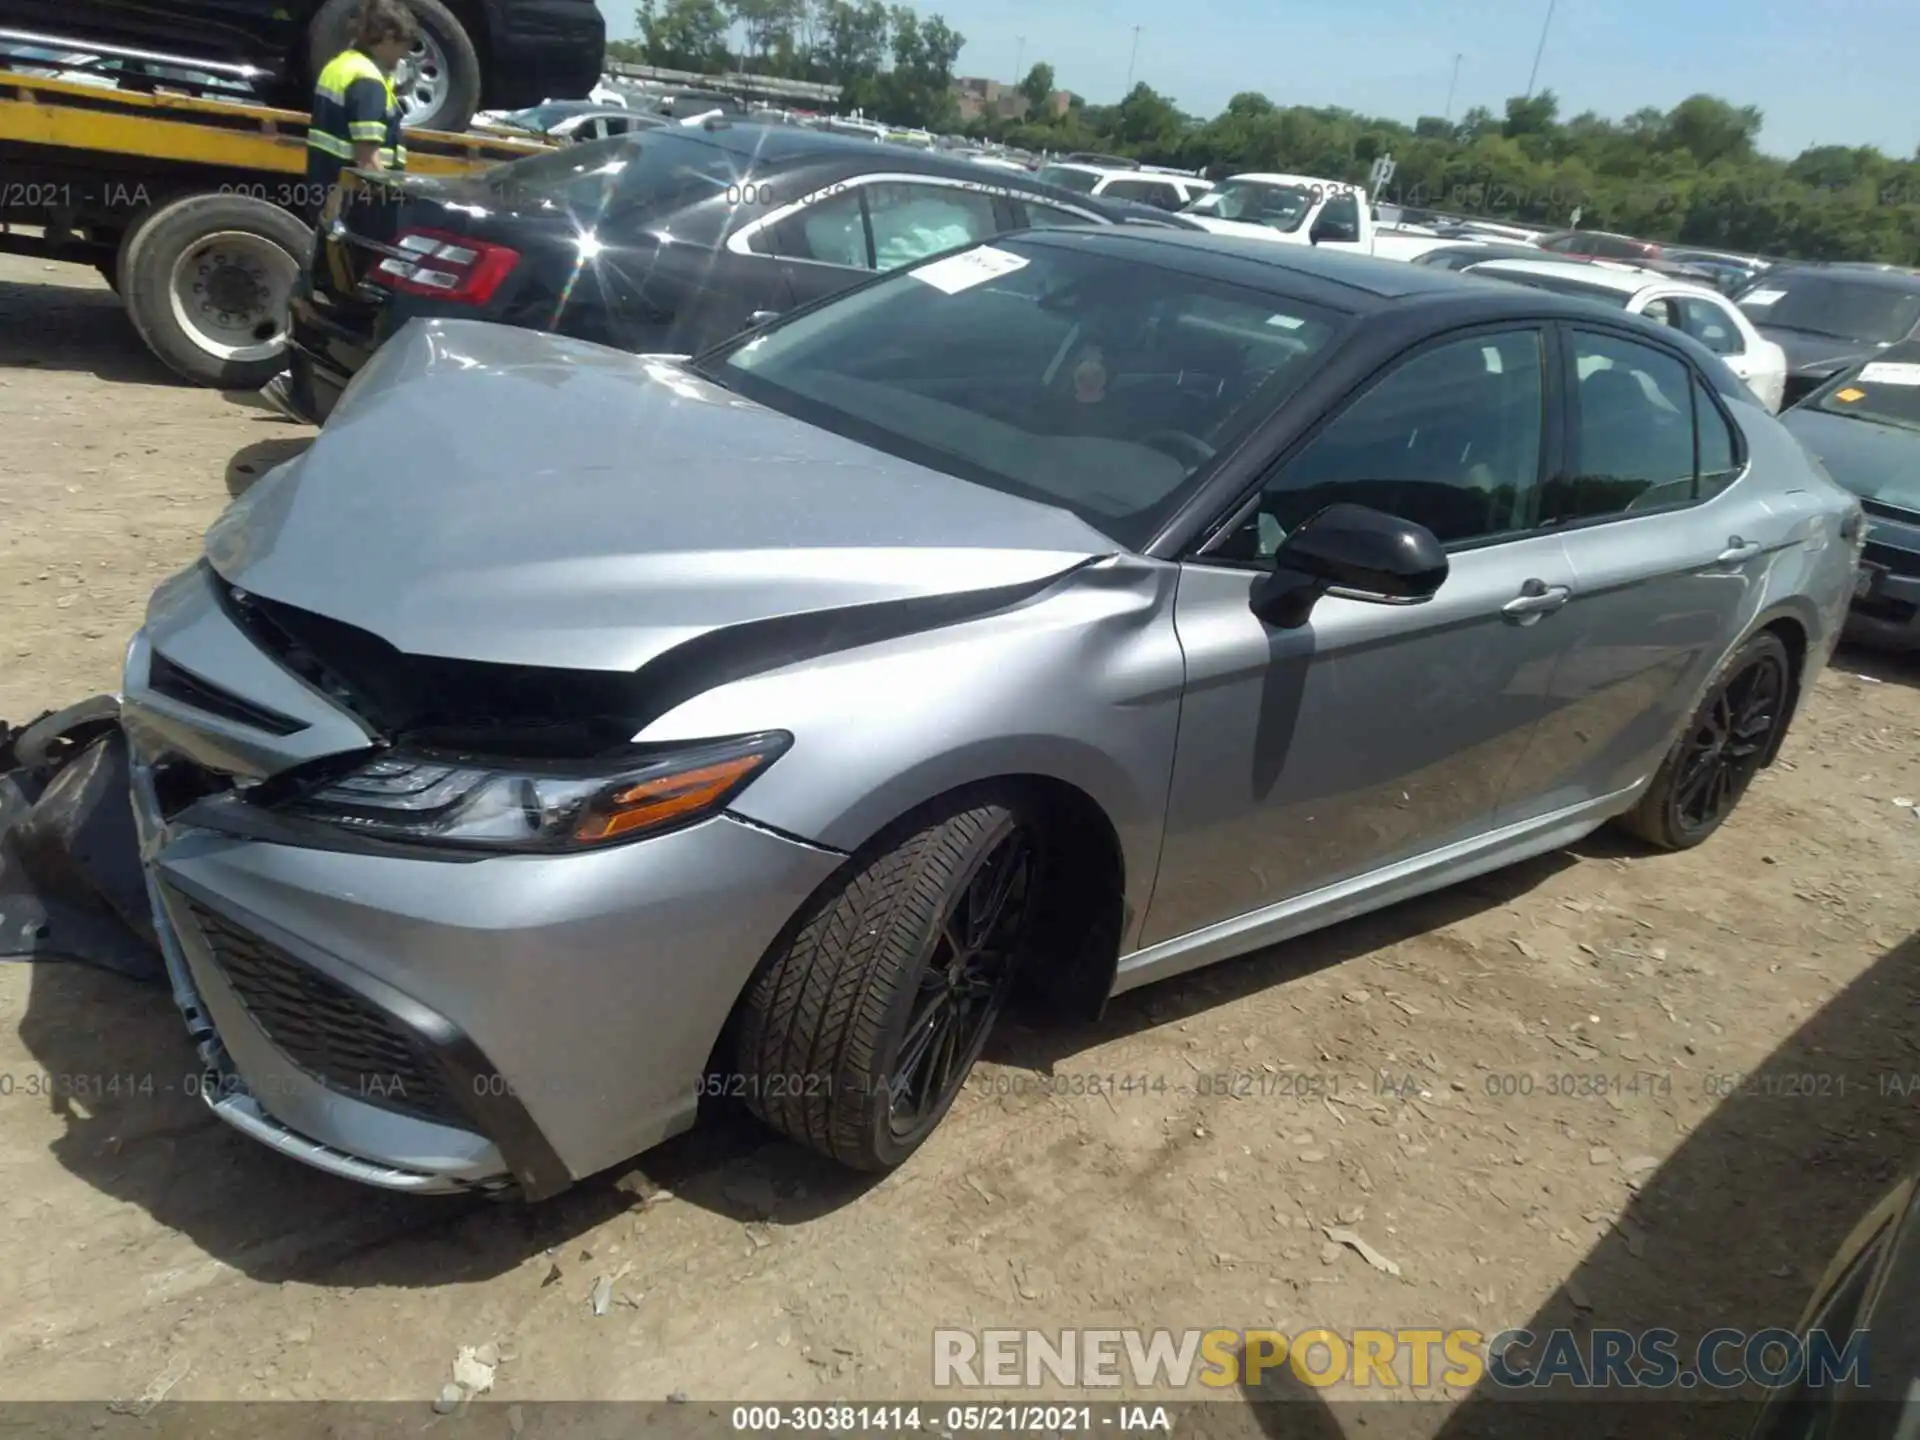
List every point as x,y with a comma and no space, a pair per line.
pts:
1668,554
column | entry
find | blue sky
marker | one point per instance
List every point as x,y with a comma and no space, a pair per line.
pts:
1823,71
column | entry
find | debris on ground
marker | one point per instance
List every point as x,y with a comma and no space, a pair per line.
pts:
1340,1235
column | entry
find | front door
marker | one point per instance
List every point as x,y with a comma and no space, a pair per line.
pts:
1374,734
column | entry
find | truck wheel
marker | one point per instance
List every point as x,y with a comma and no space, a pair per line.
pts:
206,281
438,86
860,1026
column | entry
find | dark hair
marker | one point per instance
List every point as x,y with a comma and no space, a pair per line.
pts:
382,20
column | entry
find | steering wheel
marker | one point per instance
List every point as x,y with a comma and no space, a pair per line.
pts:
1180,445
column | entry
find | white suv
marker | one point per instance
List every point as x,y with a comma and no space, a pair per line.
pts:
1164,190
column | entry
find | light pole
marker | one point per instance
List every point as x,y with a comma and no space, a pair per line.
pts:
1132,56
1019,56
1452,85
1540,49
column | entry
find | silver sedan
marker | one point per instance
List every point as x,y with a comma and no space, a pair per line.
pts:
570,735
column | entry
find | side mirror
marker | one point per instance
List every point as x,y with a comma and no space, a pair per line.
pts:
1324,230
761,317
1352,551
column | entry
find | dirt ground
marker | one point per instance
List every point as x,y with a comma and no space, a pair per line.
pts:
147,1248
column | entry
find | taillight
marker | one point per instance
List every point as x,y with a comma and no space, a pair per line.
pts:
449,267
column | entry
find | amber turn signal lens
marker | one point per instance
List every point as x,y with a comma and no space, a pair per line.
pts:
668,797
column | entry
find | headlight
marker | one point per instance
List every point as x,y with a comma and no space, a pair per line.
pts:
457,800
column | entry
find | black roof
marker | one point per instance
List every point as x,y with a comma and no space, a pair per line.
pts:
1267,265
783,144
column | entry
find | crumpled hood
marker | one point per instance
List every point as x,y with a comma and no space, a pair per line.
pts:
487,493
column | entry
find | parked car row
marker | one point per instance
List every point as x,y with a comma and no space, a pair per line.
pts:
670,240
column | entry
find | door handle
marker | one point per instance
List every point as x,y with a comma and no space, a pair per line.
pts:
1536,598
1738,552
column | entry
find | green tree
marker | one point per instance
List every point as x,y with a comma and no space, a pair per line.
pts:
683,34
1038,86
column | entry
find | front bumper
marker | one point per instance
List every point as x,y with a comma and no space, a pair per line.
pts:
1888,615
437,1025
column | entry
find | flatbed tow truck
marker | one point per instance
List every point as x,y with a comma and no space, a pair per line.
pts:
190,205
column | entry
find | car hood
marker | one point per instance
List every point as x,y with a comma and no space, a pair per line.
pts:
496,494
1821,353
1875,462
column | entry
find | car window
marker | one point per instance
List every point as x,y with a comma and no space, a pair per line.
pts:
1719,457
1662,311
1101,385
1043,216
1633,433
1340,219
1561,244
832,231
1080,180
911,222
1710,325
1449,439
1147,192
651,171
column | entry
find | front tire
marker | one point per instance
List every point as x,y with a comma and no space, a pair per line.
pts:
859,1029
1721,750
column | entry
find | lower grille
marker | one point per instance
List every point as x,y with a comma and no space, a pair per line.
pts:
337,1038
1897,561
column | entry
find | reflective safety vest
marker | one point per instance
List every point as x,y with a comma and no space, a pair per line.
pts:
353,104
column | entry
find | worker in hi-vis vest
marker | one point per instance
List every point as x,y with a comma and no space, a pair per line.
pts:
356,117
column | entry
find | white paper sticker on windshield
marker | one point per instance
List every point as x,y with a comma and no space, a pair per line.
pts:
1889,372
1763,297
971,268
1286,322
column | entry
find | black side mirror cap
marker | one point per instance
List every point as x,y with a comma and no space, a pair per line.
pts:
1353,551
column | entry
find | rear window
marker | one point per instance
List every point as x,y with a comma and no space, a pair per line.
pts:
1824,305
1082,181
658,169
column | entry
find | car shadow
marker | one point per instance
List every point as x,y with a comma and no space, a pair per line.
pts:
250,462
1736,1228
1037,1041
1889,667
69,326
151,1142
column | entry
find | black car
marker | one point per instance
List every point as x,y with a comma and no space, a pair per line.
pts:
1858,1370
503,54
1864,426
1829,318
668,241
1459,257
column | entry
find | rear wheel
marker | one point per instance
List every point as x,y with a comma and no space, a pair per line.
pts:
207,281
860,1028
1721,750
438,85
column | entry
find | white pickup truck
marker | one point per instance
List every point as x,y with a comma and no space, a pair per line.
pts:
1302,210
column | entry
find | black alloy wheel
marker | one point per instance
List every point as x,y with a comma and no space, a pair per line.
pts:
964,985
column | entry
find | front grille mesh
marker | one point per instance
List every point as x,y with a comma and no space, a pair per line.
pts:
336,1037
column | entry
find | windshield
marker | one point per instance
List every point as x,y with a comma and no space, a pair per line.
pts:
1082,181
659,168
1560,285
1256,202
1064,375
1825,305
1885,390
